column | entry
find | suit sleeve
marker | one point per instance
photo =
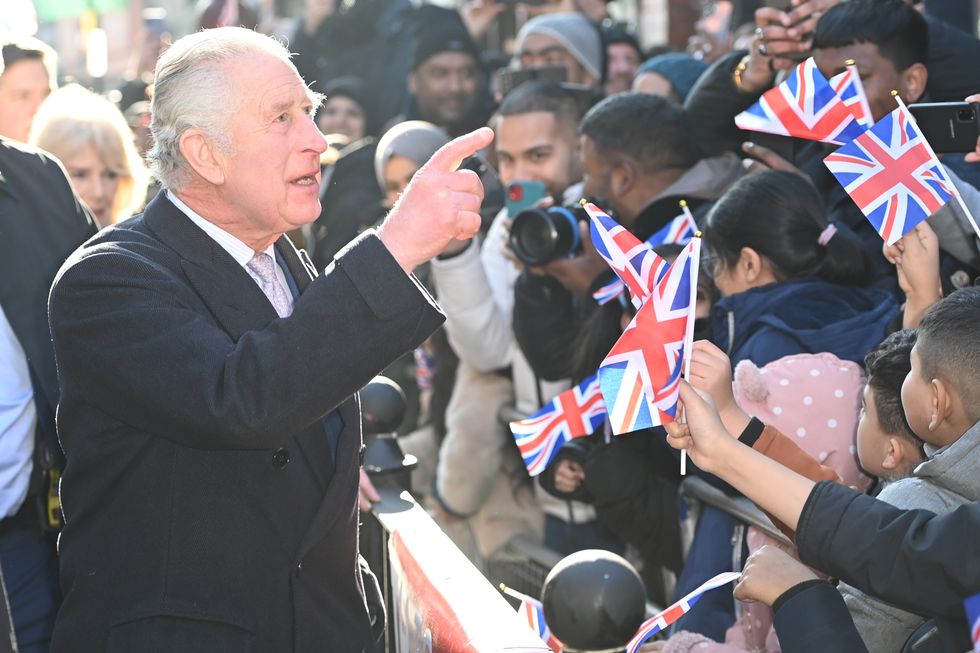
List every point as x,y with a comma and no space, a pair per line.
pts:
915,559
134,334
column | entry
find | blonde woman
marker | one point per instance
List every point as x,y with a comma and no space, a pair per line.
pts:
91,138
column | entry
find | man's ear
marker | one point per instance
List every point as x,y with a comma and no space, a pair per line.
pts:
199,152
412,83
912,81
622,177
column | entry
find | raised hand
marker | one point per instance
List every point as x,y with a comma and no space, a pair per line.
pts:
440,203
704,437
768,573
916,259
711,372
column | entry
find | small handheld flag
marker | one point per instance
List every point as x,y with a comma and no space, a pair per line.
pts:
972,606
848,86
892,174
640,377
678,231
659,622
533,613
574,413
805,105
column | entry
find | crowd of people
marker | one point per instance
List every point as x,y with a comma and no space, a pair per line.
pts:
200,279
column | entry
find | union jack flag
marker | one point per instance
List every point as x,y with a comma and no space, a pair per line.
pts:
893,175
640,376
803,106
574,413
532,611
659,622
851,91
972,606
636,264
680,230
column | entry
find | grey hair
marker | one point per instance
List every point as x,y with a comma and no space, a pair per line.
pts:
192,90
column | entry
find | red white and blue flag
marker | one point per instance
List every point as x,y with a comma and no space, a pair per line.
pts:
640,376
893,175
972,606
659,622
851,91
805,105
574,413
633,261
679,231
533,612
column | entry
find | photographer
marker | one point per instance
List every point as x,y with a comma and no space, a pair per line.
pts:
478,464
638,164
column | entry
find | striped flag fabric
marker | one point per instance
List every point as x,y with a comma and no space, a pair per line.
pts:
972,606
893,175
533,612
848,86
633,261
574,413
640,376
659,622
678,231
805,105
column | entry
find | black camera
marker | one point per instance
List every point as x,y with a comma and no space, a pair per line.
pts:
539,236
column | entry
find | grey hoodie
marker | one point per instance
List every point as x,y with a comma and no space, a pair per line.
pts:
946,480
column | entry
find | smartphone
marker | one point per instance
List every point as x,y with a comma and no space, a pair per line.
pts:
523,195
948,126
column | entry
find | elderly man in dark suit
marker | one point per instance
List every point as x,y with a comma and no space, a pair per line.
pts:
208,410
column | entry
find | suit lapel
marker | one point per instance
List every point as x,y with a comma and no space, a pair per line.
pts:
239,305
235,300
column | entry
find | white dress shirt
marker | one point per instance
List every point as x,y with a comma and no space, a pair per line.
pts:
18,419
239,251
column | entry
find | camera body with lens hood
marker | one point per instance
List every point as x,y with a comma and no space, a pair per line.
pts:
539,236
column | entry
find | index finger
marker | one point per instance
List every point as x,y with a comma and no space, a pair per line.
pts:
448,157
766,15
708,347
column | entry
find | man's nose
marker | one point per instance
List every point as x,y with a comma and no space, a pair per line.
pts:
313,138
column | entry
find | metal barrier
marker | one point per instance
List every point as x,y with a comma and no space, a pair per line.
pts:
436,600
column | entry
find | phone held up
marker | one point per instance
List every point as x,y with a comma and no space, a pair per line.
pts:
948,126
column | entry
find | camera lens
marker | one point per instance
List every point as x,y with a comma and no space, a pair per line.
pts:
965,115
539,236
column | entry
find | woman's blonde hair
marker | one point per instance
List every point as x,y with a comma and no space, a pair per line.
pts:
73,118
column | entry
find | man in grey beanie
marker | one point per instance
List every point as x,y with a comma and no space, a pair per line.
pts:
570,40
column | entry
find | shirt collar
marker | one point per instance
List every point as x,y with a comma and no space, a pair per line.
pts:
238,250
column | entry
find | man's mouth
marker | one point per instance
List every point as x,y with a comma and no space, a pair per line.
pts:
306,180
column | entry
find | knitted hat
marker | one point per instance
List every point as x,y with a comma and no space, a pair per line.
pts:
616,34
443,39
575,33
681,70
413,139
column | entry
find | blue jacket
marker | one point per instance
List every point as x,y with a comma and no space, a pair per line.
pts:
802,316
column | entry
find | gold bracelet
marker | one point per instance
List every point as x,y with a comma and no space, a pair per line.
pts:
743,64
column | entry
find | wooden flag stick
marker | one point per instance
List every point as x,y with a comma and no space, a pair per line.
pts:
689,335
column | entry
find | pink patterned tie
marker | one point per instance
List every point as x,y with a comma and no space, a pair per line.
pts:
263,268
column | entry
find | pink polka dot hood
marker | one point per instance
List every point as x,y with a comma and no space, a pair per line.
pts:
813,398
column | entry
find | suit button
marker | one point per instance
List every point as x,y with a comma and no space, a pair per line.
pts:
299,567
280,458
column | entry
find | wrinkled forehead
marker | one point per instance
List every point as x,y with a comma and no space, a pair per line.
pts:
265,84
